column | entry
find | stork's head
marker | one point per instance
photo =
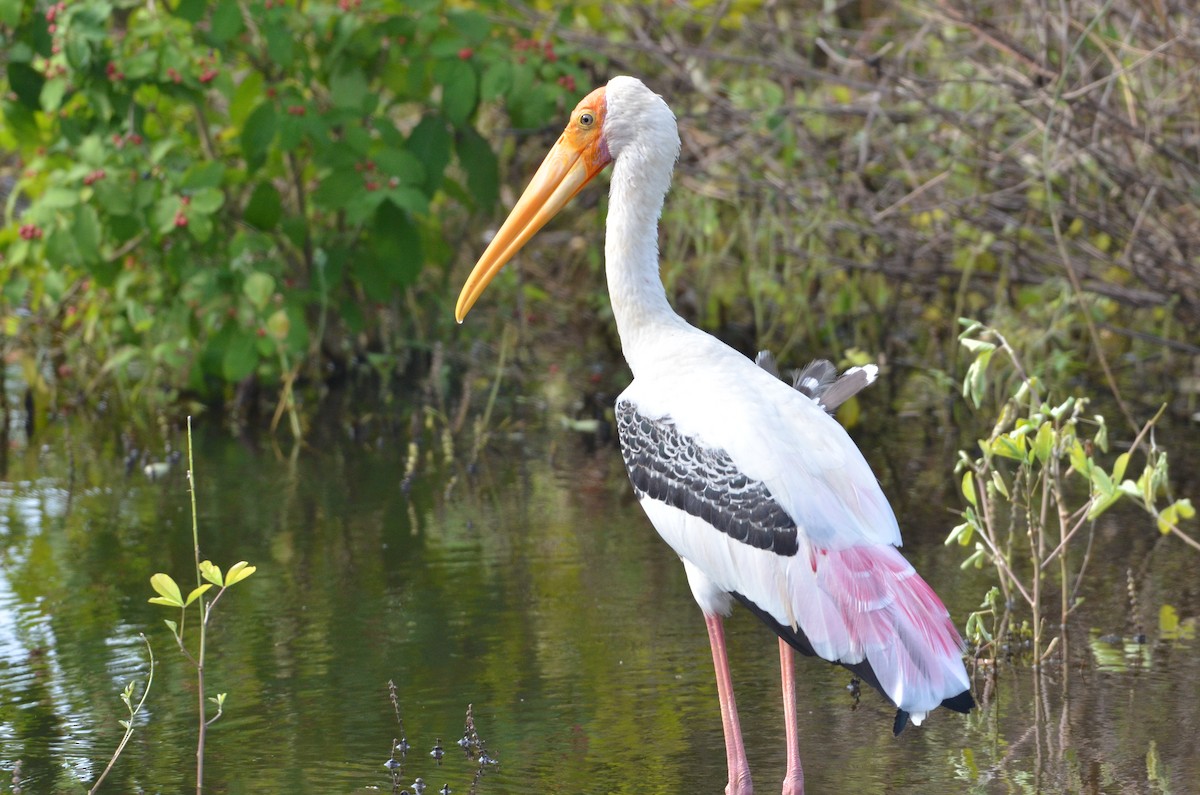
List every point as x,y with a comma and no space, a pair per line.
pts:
621,115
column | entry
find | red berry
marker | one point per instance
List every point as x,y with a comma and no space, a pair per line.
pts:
262,332
52,28
465,54
297,110
372,185
180,219
208,74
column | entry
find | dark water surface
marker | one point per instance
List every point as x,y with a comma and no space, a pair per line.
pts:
532,588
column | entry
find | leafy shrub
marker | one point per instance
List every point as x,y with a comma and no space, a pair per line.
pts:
216,192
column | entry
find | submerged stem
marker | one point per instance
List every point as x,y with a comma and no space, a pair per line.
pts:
204,610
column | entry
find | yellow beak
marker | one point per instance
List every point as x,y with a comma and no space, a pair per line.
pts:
579,155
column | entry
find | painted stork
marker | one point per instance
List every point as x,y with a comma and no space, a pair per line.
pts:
760,492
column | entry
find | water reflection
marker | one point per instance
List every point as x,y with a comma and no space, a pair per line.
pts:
536,592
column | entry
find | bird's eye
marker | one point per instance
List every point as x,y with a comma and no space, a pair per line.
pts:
586,119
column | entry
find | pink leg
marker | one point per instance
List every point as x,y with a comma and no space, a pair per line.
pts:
793,781
735,751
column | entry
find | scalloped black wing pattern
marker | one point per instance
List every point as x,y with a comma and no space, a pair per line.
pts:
701,481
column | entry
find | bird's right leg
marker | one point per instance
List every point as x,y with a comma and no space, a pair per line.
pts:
735,751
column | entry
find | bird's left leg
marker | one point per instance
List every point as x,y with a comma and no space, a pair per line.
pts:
735,750
793,780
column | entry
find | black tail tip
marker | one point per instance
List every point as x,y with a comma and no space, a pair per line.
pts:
901,722
963,702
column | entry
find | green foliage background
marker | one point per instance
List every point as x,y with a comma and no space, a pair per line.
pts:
204,193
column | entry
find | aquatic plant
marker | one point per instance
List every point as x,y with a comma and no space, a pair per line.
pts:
170,595
134,710
1034,489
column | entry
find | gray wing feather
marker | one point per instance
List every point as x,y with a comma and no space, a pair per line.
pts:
819,380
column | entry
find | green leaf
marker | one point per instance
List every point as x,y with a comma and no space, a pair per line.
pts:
259,287
1001,486
409,199
430,142
1103,503
1102,482
195,592
59,198
259,131
26,82
10,12
205,174
200,227
1079,459
338,189
280,44
168,591
52,94
1118,473
87,233
1043,444
978,346
1101,438
348,88
473,25
959,533
401,164
460,92
968,487
191,10
975,382
246,97
238,572
240,356
212,572
1168,518
264,208
481,165
1009,446
279,325
226,21
497,80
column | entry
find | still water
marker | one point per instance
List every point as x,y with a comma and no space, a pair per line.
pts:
530,586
